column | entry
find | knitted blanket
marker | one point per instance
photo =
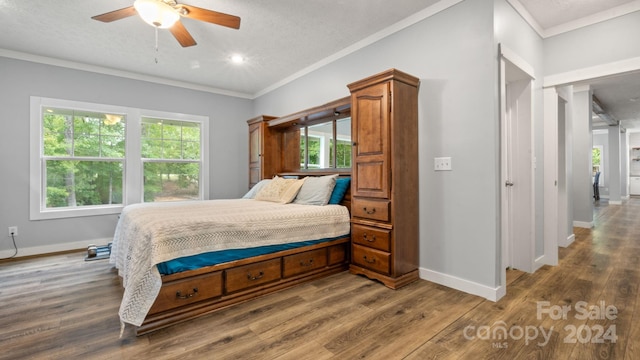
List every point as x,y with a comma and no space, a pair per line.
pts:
151,233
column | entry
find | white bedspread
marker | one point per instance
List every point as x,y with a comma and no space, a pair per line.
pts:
148,234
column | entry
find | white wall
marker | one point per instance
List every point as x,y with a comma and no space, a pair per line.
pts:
454,55
582,196
22,79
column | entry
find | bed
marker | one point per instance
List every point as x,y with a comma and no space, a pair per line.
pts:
180,260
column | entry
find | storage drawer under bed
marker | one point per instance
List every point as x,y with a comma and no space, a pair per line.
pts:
182,292
304,262
247,276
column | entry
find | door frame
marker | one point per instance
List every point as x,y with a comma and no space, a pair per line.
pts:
513,66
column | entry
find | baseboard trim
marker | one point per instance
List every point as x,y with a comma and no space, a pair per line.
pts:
469,287
539,262
615,202
51,249
568,241
583,224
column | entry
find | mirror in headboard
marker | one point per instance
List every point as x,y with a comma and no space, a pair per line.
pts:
317,139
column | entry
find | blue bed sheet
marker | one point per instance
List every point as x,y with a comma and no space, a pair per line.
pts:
218,257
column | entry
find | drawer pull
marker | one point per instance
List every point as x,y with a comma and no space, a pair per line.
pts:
371,239
308,263
187,296
251,277
370,261
370,212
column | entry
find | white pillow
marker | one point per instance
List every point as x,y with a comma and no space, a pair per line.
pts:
251,194
316,190
280,190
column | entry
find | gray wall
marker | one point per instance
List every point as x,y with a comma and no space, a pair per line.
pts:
597,44
454,55
22,79
582,147
511,30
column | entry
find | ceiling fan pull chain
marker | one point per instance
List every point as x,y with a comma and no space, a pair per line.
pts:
156,45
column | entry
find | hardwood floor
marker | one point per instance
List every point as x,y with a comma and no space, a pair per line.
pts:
60,306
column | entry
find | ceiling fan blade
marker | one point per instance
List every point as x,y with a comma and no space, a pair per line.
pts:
116,14
182,35
211,16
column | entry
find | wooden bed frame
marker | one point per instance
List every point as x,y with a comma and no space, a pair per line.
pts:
194,293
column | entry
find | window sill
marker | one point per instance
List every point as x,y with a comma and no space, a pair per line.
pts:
62,213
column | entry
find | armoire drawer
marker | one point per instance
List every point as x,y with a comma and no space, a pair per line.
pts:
304,262
371,236
252,275
182,292
370,209
373,259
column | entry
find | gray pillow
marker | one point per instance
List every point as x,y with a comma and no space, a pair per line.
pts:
254,190
316,190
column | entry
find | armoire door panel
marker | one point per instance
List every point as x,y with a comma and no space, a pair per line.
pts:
371,179
371,133
254,145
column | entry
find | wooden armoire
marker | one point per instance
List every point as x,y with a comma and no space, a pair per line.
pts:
384,187
264,150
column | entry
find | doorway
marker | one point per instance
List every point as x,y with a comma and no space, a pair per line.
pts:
517,163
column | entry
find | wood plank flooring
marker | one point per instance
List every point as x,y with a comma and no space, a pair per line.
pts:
61,307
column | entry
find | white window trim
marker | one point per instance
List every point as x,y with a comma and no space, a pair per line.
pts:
133,187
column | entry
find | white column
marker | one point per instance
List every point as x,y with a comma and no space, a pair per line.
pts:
550,187
581,157
614,165
624,164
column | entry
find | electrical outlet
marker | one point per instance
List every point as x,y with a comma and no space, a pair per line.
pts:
13,230
442,163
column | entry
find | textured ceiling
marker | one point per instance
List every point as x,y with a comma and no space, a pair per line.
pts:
277,37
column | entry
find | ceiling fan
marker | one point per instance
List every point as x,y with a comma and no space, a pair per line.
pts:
165,14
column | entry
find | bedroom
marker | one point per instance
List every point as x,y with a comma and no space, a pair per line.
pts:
452,52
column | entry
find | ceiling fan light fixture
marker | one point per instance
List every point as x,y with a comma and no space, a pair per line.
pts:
237,59
157,13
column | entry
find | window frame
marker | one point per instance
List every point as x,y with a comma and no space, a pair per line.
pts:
304,160
132,191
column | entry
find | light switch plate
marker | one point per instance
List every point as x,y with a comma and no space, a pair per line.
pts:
442,163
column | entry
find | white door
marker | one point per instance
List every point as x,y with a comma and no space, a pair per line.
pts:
517,163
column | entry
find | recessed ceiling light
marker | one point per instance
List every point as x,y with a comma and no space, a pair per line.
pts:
237,59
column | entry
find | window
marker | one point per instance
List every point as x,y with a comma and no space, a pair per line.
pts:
171,159
92,159
83,158
597,161
326,145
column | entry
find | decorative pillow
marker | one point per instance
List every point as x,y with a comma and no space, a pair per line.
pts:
342,184
316,190
254,190
280,190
